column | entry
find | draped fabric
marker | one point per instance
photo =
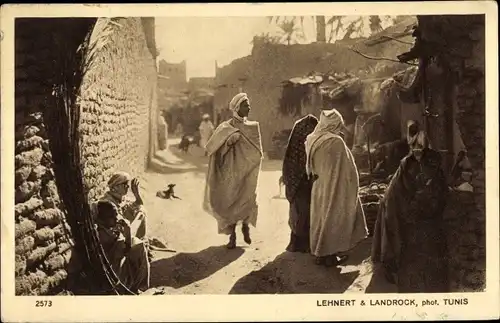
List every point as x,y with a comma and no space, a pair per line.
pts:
330,122
235,157
133,266
408,240
294,162
297,184
338,222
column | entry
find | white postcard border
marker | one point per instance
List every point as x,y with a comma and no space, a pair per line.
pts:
244,307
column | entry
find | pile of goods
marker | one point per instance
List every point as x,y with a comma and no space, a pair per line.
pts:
370,196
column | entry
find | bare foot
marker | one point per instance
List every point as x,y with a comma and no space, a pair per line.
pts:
246,233
231,244
232,241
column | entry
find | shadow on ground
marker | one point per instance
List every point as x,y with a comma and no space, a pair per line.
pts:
194,161
294,273
194,155
174,161
379,284
360,253
186,268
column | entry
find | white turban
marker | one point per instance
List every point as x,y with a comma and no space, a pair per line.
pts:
237,100
118,178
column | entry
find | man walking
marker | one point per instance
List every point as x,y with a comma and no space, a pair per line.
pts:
235,158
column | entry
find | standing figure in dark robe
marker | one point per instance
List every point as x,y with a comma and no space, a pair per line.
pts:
298,186
409,244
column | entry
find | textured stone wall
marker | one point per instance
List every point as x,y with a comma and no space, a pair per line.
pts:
43,248
118,102
43,245
462,40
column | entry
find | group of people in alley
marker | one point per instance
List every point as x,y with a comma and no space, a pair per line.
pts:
322,184
326,216
319,173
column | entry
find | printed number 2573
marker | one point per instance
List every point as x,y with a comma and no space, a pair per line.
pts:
43,304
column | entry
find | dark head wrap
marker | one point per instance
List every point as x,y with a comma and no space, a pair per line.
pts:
294,163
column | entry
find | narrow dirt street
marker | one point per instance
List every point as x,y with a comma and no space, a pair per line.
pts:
202,264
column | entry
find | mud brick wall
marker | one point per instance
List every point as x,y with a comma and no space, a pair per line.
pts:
464,39
465,229
118,102
43,247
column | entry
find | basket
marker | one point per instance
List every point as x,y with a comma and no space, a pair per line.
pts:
370,197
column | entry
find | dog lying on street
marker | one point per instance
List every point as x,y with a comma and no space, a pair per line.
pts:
168,194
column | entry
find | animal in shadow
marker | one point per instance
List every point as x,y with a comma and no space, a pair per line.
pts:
168,194
186,142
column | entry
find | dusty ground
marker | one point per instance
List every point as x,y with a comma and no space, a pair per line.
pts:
202,264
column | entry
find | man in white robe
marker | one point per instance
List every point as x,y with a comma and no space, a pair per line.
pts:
338,222
206,129
235,158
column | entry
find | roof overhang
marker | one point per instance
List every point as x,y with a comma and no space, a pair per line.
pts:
315,79
393,33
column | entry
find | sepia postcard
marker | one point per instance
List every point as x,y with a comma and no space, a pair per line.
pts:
249,162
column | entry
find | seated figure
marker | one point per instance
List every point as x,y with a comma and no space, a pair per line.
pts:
133,211
126,253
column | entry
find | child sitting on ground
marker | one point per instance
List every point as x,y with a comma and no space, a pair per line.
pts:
127,254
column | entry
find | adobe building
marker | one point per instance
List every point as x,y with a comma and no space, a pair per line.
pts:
263,74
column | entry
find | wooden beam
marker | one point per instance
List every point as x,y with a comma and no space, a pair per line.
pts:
385,38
